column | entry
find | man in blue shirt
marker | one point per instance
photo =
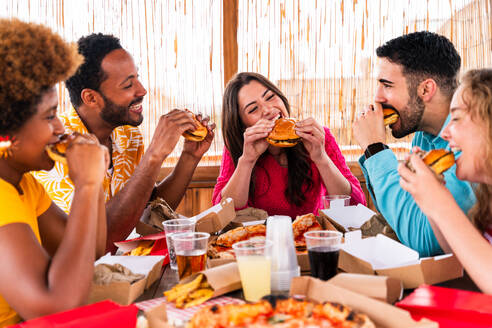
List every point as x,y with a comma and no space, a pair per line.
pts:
417,78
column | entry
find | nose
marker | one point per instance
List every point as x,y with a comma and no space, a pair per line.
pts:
446,134
268,111
140,90
58,127
380,97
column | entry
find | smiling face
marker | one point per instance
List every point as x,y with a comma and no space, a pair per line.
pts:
467,134
40,130
257,101
121,91
393,92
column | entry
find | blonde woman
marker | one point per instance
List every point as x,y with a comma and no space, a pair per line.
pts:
470,131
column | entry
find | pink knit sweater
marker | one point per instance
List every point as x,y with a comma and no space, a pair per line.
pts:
271,182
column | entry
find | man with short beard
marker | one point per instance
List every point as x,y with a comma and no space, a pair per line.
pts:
107,97
417,78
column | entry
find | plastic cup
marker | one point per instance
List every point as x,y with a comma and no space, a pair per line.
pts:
176,226
191,252
284,258
254,263
331,201
323,250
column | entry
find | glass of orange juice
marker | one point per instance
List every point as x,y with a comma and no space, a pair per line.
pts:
254,263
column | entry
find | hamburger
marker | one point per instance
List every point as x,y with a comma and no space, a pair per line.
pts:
199,133
283,133
439,160
57,151
390,116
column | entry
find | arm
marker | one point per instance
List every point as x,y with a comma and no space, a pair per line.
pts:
44,280
254,145
471,248
174,186
137,191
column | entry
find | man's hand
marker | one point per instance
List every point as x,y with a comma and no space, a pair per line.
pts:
197,149
368,128
168,131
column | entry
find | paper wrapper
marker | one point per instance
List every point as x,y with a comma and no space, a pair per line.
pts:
105,274
223,279
156,212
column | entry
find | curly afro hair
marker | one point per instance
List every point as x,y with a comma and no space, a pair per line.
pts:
425,54
33,60
90,75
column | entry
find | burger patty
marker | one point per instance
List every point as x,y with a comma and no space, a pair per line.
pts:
285,141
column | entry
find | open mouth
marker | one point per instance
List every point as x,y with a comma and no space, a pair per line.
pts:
137,108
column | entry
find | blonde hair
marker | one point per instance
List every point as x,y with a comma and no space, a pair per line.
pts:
33,60
477,96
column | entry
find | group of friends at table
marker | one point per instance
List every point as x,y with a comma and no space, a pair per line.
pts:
56,219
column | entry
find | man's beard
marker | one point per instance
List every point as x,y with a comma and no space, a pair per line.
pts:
410,116
117,115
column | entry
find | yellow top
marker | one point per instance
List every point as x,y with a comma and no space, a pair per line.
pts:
127,144
25,208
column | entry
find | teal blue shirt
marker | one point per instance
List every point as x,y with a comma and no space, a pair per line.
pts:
398,207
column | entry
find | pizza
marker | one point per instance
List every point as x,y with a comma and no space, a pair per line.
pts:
300,226
285,313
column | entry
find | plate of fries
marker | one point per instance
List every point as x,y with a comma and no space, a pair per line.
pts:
189,294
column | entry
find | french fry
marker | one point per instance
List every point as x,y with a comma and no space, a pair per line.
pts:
144,248
206,295
183,289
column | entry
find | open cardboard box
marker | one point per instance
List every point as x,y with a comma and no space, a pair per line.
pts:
345,218
125,293
383,256
382,314
211,220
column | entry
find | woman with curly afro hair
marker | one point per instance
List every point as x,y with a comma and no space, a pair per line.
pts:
47,257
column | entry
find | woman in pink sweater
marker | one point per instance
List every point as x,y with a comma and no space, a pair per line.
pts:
282,181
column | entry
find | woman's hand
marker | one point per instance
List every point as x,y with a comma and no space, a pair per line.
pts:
255,143
313,138
87,160
428,191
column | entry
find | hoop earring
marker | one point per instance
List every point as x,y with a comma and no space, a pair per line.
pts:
7,143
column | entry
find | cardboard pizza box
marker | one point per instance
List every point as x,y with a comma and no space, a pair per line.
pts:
383,256
382,314
382,288
125,293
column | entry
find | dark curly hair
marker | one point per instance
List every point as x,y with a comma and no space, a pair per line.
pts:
33,59
298,161
94,48
425,55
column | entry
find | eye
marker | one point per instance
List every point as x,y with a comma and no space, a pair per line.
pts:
387,86
269,97
252,110
128,86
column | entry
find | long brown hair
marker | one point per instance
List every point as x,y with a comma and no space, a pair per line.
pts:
298,161
477,96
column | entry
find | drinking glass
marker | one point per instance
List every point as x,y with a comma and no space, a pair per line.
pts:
323,250
254,263
191,252
331,201
176,226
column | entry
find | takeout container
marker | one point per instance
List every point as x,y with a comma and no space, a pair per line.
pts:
123,292
382,288
158,248
223,279
383,256
211,220
382,314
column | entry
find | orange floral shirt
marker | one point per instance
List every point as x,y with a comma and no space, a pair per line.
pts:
128,149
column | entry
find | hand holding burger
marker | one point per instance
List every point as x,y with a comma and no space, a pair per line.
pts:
439,160
283,133
199,133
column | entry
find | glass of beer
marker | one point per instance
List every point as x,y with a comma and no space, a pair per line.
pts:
172,227
191,252
254,263
323,250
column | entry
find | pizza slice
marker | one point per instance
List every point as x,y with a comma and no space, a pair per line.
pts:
300,226
342,316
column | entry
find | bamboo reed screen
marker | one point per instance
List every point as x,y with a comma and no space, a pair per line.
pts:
320,52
